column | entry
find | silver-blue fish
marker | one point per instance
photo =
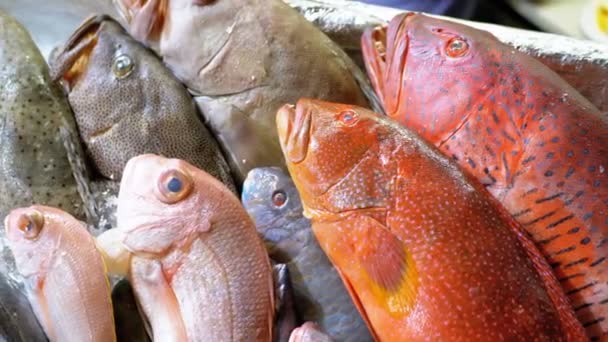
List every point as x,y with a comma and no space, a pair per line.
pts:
271,199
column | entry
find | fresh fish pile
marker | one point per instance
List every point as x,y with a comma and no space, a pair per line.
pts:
212,171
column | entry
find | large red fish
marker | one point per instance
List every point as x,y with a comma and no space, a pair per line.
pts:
424,250
538,145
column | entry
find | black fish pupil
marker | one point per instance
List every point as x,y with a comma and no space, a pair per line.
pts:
279,198
174,185
29,227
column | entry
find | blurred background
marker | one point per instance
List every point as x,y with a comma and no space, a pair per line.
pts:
585,19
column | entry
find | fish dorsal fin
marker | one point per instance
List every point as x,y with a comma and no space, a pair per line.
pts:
388,265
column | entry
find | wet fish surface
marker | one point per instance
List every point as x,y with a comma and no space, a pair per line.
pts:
272,200
18,322
424,250
538,145
34,163
198,269
242,60
63,273
127,103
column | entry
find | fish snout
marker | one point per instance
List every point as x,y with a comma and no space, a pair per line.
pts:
294,124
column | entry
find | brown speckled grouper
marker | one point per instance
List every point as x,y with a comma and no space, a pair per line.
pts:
34,163
127,103
243,59
537,144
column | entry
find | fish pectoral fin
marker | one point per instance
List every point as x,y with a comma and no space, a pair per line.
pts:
388,266
147,21
157,300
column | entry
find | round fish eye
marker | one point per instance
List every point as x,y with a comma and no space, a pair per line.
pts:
30,224
122,66
279,198
457,47
173,186
348,118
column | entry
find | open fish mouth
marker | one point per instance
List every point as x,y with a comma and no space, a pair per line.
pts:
294,125
72,62
385,50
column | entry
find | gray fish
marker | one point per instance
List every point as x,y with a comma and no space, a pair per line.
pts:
18,323
271,199
243,59
129,324
127,103
35,118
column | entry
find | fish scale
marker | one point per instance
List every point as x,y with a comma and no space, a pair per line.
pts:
535,142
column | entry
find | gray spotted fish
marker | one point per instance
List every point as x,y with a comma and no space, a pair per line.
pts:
271,199
127,103
34,163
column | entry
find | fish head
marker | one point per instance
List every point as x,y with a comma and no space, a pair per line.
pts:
273,202
164,203
34,234
328,149
428,71
107,75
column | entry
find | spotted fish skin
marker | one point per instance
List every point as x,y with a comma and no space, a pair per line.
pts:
425,251
539,147
127,103
34,163
272,200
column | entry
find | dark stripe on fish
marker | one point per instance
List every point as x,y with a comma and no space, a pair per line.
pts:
538,219
597,262
546,241
564,251
595,321
552,197
582,306
560,221
579,289
520,213
572,276
579,261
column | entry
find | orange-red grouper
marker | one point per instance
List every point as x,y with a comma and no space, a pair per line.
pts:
535,142
424,249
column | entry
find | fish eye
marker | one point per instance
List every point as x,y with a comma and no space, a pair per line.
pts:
30,224
457,47
348,118
279,198
122,66
173,186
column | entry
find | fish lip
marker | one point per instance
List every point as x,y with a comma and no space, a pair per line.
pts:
284,122
294,126
81,42
123,10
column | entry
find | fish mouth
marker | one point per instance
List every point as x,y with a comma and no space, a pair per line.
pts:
146,18
73,60
385,50
294,126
